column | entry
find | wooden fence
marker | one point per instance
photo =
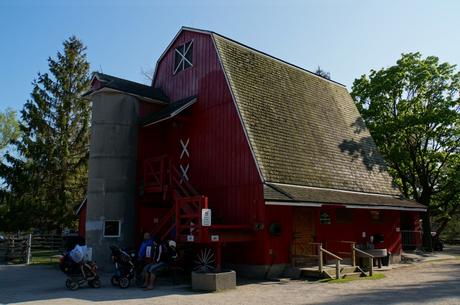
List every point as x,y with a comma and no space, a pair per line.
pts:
22,249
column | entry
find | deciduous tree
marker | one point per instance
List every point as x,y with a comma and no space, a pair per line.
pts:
412,110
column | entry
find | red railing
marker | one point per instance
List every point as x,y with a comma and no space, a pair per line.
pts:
161,176
155,174
188,218
183,220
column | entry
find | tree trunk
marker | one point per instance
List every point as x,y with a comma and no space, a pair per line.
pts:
443,225
427,238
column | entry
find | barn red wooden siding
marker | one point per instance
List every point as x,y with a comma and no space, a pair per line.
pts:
221,163
222,166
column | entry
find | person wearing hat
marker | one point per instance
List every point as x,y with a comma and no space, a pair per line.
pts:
163,255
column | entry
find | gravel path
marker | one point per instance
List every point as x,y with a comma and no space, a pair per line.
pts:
427,283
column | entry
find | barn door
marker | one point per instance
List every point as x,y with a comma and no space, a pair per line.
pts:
303,232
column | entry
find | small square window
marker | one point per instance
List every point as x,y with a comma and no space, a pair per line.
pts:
377,216
112,228
183,56
325,218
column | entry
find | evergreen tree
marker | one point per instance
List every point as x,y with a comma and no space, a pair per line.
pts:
48,177
319,71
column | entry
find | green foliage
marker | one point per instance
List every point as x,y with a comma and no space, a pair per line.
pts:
9,128
452,230
48,177
319,71
412,110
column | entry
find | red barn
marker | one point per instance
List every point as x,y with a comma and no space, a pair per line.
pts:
279,155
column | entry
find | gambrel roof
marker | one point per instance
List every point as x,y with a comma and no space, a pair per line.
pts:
303,130
299,125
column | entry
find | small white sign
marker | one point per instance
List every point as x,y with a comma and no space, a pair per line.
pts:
148,251
214,237
206,217
190,238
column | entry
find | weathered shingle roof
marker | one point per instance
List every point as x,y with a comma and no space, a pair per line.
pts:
303,129
169,111
279,193
130,87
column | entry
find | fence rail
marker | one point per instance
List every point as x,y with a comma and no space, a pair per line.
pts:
22,249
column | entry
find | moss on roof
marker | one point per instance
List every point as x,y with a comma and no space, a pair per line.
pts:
274,192
303,129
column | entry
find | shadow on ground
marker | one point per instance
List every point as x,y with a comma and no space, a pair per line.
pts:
19,283
445,291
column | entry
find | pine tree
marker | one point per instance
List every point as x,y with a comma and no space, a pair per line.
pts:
48,177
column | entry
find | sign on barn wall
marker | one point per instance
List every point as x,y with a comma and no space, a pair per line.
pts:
206,217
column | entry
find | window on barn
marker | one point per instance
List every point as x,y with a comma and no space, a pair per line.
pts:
344,216
324,218
377,216
112,228
183,55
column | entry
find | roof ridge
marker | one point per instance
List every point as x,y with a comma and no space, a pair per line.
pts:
262,53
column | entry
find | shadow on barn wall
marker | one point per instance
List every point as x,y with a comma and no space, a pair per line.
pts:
364,148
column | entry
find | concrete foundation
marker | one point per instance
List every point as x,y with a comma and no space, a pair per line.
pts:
260,271
395,258
112,173
213,281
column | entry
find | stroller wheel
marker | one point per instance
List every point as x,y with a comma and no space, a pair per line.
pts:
114,280
72,285
96,283
124,282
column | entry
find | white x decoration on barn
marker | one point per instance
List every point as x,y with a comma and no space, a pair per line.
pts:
184,171
184,148
182,53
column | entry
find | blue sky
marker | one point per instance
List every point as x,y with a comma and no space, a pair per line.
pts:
346,38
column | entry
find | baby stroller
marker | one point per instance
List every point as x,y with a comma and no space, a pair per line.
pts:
126,267
79,274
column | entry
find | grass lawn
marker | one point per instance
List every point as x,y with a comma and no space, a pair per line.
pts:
44,257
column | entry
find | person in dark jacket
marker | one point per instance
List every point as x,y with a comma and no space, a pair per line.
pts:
163,255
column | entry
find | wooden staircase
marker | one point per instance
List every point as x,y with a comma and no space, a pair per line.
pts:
329,271
183,219
337,270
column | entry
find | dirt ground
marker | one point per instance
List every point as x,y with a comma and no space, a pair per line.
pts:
435,282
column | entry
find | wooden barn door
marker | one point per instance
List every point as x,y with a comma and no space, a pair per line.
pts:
303,234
